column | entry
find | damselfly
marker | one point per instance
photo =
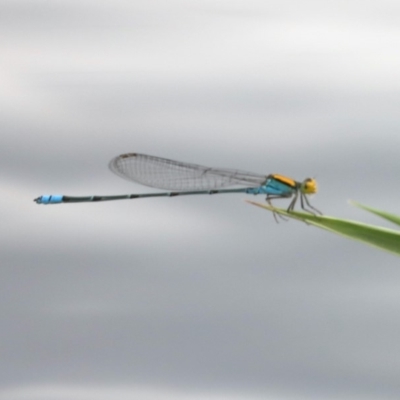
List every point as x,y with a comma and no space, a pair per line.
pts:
181,178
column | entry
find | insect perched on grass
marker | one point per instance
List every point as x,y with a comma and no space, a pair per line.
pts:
181,178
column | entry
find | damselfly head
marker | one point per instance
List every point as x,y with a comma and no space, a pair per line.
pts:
309,186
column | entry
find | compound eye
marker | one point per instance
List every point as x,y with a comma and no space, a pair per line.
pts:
310,186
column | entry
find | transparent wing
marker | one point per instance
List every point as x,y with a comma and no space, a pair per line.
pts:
167,174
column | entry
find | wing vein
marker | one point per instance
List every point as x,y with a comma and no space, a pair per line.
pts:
167,174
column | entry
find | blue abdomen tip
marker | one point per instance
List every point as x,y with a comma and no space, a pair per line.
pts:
50,199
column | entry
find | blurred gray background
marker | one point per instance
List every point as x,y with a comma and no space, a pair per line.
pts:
201,297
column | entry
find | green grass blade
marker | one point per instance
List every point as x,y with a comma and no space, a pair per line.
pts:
390,217
383,238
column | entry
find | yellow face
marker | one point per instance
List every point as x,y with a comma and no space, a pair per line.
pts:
309,186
